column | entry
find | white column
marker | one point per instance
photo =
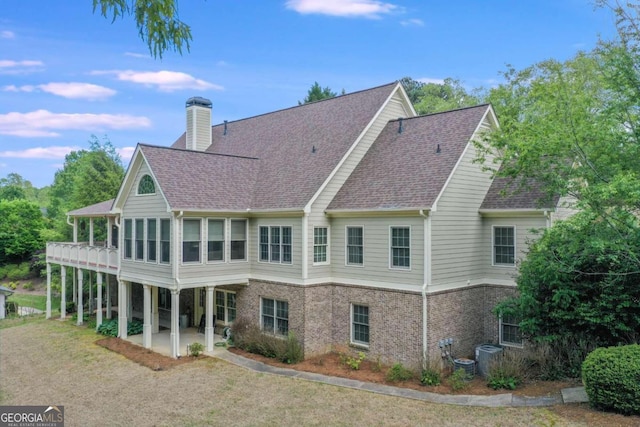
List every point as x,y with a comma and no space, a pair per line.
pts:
90,231
99,303
122,309
63,292
48,315
175,323
146,326
155,316
108,296
79,303
109,237
74,287
75,230
129,301
208,330
91,307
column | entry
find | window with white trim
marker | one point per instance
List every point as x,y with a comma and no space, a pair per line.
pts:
320,245
225,306
128,236
355,247
190,240
215,240
238,239
400,247
165,240
275,316
152,242
510,330
359,324
504,246
275,244
139,231
146,185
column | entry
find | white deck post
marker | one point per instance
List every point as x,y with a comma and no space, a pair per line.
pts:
63,292
122,309
155,316
79,303
90,231
146,326
108,286
129,302
90,304
208,331
99,303
74,288
175,323
48,315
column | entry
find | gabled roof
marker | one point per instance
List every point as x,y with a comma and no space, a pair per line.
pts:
404,169
193,180
515,194
297,147
98,210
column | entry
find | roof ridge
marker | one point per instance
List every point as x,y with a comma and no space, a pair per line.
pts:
307,104
197,152
486,104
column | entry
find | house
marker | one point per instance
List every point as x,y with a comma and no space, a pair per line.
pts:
4,294
347,221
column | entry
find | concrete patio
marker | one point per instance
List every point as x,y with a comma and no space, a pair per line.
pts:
161,342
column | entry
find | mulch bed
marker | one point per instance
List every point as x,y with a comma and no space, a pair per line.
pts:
143,356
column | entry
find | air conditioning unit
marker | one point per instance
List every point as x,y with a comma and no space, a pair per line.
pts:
485,353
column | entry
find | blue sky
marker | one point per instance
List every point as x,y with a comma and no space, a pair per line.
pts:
67,74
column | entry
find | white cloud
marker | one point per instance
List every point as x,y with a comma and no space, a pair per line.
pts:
43,123
345,8
126,153
54,152
7,34
8,66
136,55
431,80
165,81
412,23
72,90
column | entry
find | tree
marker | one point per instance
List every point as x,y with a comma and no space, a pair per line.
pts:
430,98
21,223
317,93
158,22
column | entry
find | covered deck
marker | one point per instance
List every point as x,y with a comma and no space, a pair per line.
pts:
161,341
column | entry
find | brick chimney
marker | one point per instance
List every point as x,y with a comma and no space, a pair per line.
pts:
198,123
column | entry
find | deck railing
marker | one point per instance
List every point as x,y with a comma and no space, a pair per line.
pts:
98,258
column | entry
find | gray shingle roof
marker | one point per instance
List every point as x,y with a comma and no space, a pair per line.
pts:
99,209
289,171
507,194
404,170
202,181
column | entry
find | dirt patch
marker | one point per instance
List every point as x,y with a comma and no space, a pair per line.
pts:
370,371
143,356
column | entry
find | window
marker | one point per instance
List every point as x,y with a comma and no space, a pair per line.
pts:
146,185
128,235
400,247
215,240
164,298
510,330
275,244
139,239
360,324
190,240
225,306
355,249
152,244
504,246
238,239
275,316
165,240
320,244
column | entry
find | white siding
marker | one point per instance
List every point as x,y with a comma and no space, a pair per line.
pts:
376,267
143,207
268,270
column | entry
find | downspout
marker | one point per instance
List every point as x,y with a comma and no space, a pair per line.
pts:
547,215
305,243
427,278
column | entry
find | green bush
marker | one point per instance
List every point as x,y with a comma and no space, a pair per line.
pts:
458,379
196,349
110,328
559,359
507,371
3,271
18,271
611,377
431,376
249,337
399,373
352,361
71,307
28,286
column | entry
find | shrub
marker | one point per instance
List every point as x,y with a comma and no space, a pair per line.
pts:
18,271
507,371
431,375
196,349
352,361
71,307
399,373
559,359
3,271
13,285
611,377
110,328
458,379
28,286
249,337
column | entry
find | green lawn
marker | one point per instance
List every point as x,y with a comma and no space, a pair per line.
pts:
35,301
